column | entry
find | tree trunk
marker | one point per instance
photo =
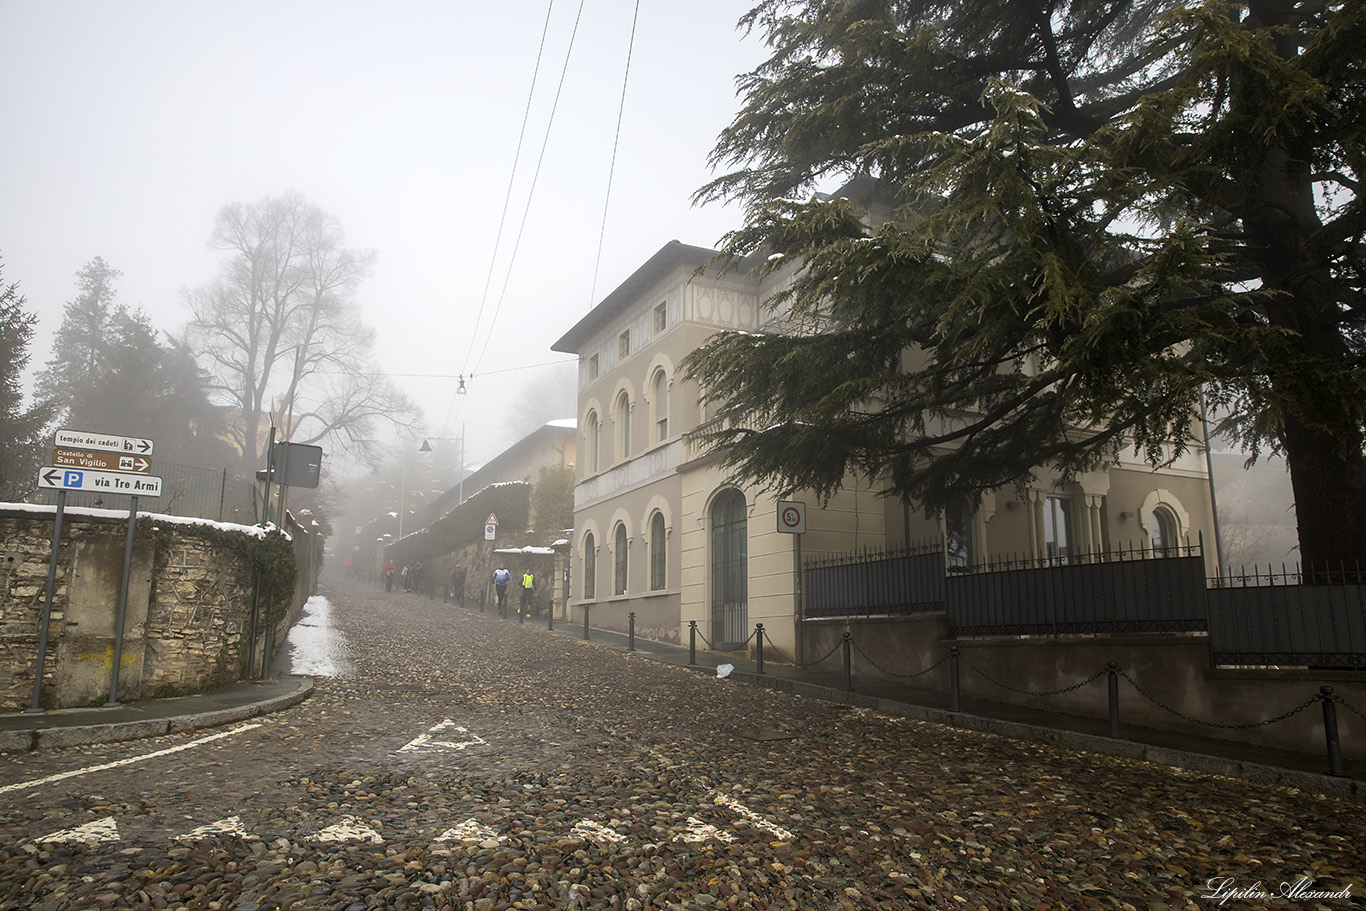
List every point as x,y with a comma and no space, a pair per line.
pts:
1330,502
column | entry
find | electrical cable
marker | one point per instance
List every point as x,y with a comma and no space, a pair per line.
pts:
612,168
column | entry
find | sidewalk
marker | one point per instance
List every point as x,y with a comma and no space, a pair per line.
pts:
149,717
1219,757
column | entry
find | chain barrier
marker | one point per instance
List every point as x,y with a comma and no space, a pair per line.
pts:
894,673
1005,686
1338,700
833,649
1317,697
704,639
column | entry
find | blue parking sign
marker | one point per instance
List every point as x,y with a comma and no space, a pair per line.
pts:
71,479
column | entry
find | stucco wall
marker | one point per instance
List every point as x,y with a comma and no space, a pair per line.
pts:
188,615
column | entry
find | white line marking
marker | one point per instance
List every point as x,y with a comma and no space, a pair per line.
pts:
38,782
759,821
703,831
349,828
230,826
92,833
425,743
471,830
596,831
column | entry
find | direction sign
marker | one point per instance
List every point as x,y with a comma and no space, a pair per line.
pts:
84,439
137,485
100,461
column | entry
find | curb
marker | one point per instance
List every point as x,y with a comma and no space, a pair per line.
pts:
117,732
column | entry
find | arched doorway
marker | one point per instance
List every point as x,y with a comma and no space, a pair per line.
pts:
729,570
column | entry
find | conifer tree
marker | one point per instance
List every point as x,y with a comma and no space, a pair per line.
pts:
1090,219
22,430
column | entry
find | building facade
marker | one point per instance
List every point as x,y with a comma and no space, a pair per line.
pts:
663,533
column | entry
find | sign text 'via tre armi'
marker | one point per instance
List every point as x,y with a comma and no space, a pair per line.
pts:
104,463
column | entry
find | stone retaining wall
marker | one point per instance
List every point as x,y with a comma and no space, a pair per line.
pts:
188,620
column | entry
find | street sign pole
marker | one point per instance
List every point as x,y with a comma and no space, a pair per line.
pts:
123,605
46,620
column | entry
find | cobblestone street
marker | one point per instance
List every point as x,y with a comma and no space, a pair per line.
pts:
467,762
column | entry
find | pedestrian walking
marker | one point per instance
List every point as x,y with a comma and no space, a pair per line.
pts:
389,570
458,584
417,577
501,578
528,592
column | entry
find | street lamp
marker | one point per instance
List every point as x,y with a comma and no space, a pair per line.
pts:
427,447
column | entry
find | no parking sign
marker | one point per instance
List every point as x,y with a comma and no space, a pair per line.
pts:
791,517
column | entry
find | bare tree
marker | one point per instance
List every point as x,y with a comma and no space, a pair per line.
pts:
549,395
279,328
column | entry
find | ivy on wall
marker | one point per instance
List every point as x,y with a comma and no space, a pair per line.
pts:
270,557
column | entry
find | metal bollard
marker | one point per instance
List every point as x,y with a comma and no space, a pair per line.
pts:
521,613
759,636
585,622
953,678
847,640
631,632
550,617
1114,697
1330,731
692,641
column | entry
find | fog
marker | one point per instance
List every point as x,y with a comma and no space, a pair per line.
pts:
130,125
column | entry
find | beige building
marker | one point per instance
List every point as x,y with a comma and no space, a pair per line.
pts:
661,532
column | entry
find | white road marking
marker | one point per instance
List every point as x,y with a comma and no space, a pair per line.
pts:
92,833
230,826
702,831
38,782
425,744
470,830
350,827
759,821
596,831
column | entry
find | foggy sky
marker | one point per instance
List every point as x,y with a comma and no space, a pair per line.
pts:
130,124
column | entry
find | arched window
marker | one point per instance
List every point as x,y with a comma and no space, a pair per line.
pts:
590,568
623,416
658,561
592,432
1162,526
660,386
619,562
958,537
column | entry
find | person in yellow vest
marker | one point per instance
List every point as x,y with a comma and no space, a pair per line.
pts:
528,592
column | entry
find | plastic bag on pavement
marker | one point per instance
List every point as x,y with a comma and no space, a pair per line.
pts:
723,670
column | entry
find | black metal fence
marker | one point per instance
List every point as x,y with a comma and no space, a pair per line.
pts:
1289,618
865,584
1125,591
1269,618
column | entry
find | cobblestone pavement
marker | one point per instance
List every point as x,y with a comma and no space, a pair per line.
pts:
473,763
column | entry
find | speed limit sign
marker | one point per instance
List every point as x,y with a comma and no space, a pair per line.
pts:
791,517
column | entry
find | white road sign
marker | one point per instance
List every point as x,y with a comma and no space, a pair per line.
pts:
137,485
792,517
107,442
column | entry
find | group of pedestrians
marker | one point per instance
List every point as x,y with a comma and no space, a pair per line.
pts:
502,576
410,576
